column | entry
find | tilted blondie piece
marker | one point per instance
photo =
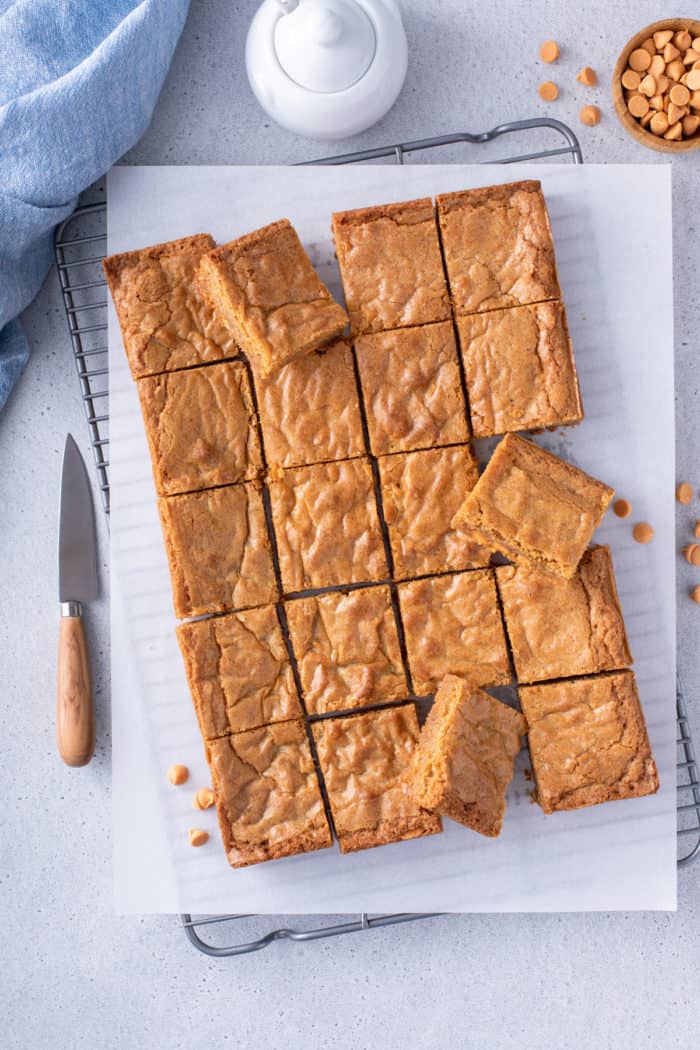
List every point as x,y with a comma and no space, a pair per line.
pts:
564,628
267,795
498,248
588,741
165,322
390,264
364,762
266,290
466,755
534,507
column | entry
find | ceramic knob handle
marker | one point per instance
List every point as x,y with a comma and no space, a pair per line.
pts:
288,5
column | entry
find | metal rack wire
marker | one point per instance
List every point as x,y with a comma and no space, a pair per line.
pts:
80,245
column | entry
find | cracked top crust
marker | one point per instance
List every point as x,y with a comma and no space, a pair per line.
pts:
364,761
347,649
562,628
267,795
532,506
165,322
520,370
498,248
452,625
327,526
411,388
268,293
421,493
238,671
200,426
466,756
588,741
391,267
310,410
218,549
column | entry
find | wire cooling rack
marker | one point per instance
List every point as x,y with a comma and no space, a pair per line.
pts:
80,246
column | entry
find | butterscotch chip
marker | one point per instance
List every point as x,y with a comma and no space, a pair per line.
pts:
670,53
648,86
684,492
646,119
587,76
675,132
662,37
649,45
563,628
549,51
662,84
657,103
622,508
696,530
631,79
695,595
347,649
639,60
452,625
643,532
675,70
638,105
691,57
466,755
548,91
659,123
178,774
679,94
693,82
675,113
198,837
203,799
588,741
695,99
692,554
589,115
682,39
657,67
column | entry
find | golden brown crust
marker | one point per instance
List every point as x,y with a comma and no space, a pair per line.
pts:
390,265
452,625
421,493
238,671
466,756
200,426
411,388
267,291
267,794
347,649
588,741
498,248
364,761
564,628
520,370
534,507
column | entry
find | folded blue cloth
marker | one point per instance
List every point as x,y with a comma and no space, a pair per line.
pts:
78,83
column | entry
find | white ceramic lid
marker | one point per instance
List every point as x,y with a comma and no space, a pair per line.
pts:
324,45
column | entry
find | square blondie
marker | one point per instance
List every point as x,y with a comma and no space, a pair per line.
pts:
239,672
519,368
201,427
327,526
390,265
165,322
218,549
347,649
268,798
310,409
266,290
452,625
498,248
588,741
466,755
564,628
421,493
364,762
411,388
534,507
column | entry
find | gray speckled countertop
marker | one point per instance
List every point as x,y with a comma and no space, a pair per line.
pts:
76,976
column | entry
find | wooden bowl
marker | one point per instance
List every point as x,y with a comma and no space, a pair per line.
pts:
629,123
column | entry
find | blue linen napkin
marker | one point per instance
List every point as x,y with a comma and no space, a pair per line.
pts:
78,84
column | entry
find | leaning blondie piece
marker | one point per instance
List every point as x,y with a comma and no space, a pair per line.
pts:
268,293
533,507
200,426
466,756
389,259
165,322
588,741
364,761
520,370
498,248
238,672
564,628
267,795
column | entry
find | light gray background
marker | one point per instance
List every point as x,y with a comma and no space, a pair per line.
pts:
73,975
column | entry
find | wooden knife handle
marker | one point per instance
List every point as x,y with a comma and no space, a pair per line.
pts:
75,719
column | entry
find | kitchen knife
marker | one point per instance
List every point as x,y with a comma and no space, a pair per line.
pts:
77,582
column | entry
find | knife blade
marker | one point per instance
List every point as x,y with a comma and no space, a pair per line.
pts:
77,583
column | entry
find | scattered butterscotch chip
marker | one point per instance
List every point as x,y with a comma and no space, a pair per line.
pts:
590,116
663,37
679,94
178,774
643,532
695,595
696,530
622,508
198,837
691,553
640,60
631,79
588,77
684,492
548,91
203,798
549,52
638,105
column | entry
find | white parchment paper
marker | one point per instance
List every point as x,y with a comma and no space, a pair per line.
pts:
612,228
